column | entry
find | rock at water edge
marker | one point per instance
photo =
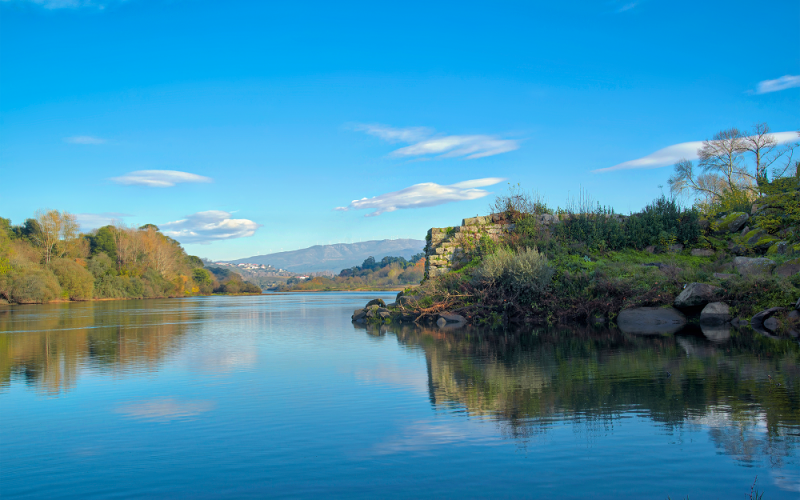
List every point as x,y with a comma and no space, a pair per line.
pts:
696,295
650,320
715,313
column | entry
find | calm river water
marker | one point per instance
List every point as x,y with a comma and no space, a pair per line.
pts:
281,396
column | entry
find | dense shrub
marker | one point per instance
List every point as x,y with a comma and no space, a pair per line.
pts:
109,287
525,274
76,282
33,285
159,286
662,223
203,280
101,265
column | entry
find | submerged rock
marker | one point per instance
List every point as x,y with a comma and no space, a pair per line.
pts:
715,313
650,320
696,295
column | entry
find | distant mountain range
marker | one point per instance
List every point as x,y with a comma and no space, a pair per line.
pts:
336,257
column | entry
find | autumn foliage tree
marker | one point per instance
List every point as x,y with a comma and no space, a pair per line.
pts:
47,259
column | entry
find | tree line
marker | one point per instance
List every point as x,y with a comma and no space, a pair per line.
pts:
387,272
47,258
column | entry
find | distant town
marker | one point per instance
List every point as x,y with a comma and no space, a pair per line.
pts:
268,271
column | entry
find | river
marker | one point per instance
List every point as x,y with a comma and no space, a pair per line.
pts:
281,396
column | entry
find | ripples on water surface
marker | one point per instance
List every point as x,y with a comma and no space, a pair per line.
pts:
280,395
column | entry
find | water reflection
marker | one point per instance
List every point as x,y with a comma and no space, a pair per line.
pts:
743,390
48,346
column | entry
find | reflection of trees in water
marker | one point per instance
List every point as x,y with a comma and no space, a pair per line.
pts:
50,345
525,380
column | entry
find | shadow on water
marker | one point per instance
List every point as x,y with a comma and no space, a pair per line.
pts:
47,346
741,386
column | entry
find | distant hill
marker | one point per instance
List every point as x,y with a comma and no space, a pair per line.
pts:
336,257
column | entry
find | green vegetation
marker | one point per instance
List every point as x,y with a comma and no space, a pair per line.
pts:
47,259
389,272
587,263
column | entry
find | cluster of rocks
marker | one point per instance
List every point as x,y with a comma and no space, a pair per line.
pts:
746,240
401,311
714,316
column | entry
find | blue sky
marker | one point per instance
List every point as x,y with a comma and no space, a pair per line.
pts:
276,114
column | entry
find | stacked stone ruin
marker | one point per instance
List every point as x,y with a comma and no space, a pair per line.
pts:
448,248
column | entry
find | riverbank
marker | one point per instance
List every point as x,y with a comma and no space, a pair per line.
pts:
649,272
4,302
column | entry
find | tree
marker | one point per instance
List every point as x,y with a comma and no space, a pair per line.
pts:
160,253
732,165
203,279
76,282
103,241
194,261
54,233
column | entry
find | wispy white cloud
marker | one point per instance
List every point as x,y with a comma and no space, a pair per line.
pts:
212,225
685,150
782,83
84,139
391,134
158,178
424,142
427,194
91,221
628,6
68,4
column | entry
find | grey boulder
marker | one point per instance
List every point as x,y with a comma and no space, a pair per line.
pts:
758,320
751,266
715,313
731,222
451,320
696,295
771,324
788,268
650,320
406,301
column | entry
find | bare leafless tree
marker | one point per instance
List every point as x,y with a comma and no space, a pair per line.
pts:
685,180
723,165
724,155
761,144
